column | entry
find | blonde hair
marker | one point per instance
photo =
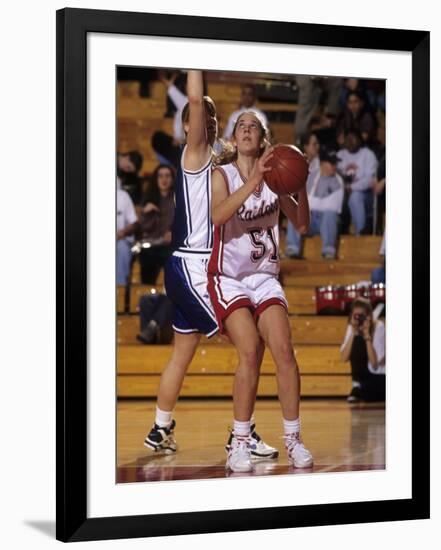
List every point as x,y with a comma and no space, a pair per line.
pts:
229,151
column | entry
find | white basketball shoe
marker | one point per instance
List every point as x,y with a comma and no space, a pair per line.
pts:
258,448
298,455
239,455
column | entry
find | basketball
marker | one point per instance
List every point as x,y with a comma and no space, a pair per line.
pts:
289,170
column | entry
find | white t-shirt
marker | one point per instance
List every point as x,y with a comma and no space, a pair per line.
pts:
378,343
362,166
125,211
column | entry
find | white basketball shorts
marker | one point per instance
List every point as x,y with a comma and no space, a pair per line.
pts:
256,292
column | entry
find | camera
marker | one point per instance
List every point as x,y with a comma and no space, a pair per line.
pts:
360,318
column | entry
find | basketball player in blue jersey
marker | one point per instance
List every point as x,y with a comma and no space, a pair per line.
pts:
186,270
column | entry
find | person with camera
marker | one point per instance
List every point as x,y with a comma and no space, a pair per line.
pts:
364,347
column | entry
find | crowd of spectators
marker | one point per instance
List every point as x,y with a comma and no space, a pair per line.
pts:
145,213
347,132
336,127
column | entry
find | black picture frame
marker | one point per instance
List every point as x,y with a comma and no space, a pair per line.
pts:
73,25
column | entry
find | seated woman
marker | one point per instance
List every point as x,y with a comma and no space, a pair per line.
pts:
364,347
358,167
325,190
156,220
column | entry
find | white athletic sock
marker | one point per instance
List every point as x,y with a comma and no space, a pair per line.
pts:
163,418
242,429
356,384
291,426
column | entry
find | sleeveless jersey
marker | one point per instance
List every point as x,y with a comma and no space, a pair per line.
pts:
249,241
192,231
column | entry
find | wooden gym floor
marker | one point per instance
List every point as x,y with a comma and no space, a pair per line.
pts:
341,437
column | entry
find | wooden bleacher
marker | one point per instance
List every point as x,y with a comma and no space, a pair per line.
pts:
305,329
138,117
316,338
212,370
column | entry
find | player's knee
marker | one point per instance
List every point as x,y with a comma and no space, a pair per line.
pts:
184,348
249,356
285,356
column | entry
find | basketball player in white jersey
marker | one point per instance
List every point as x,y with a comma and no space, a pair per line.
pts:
186,270
246,295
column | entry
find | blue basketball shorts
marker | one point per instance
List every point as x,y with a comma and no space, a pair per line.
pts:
186,285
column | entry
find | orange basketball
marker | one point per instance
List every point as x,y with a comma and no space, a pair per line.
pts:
289,170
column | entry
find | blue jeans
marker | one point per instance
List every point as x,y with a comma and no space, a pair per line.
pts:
378,275
360,205
123,260
323,224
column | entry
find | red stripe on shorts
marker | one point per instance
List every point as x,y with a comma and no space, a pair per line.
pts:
267,303
220,310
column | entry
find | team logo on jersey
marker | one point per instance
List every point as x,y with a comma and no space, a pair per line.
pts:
263,210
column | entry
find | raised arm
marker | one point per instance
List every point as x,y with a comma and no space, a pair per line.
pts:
198,148
297,211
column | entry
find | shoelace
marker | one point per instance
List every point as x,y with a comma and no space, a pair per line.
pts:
240,445
291,440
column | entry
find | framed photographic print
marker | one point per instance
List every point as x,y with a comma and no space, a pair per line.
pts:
337,98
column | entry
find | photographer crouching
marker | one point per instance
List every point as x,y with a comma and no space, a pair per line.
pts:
364,347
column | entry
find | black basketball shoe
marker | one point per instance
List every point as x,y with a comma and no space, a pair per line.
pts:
161,439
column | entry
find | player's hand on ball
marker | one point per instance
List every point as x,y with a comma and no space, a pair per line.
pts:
260,169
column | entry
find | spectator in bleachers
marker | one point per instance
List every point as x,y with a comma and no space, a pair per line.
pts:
356,116
157,215
128,168
168,148
376,93
325,190
364,347
326,131
311,89
155,316
126,225
310,145
358,167
247,103
354,85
